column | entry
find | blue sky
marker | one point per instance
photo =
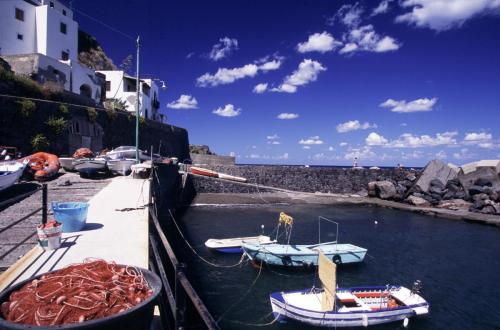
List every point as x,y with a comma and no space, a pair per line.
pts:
319,81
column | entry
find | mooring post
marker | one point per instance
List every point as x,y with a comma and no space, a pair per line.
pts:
44,203
180,297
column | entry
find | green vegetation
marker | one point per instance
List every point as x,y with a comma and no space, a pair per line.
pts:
142,121
63,109
57,125
39,142
91,54
92,114
111,112
27,107
20,85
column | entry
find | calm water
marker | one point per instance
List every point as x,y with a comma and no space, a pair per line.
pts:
458,263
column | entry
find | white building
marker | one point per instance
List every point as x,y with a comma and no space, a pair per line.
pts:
122,87
41,36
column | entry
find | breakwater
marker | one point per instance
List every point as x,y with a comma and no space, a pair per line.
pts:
299,178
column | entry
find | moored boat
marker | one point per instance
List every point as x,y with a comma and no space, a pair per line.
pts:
233,245
67,163
347,307
121,166
10,172
89,166
231,177
204,172
127,152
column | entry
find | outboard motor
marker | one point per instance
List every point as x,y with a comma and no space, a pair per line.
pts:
417,286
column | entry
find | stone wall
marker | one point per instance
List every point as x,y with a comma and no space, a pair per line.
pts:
212,159
298,178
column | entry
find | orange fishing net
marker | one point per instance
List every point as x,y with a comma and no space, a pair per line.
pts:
83,153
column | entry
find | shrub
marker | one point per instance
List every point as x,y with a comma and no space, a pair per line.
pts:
27,107
92,114
39,142
111,112
63,109
142,121
56,124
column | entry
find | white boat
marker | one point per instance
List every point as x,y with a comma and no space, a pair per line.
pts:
347,307
89,166
122,166
10,172
126,152
231,177
67,163
234,245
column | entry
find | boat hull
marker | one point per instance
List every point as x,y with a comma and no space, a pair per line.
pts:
234,245
127,152
284,309
304,255
204,172
67,163
89,166
121,166
10,172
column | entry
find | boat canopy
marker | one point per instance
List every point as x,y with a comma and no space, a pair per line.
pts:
328,277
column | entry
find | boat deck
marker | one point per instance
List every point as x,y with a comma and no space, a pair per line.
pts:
116,230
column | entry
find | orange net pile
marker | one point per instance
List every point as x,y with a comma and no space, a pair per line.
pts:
83,153
87,291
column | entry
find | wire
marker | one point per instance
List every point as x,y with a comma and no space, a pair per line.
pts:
49,101
105,25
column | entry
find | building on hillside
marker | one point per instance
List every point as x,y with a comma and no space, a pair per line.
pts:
39,38
121,86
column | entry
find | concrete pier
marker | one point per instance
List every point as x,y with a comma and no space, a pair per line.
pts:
116,230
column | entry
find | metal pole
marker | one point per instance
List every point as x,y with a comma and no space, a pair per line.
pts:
137,103
44,203
180,298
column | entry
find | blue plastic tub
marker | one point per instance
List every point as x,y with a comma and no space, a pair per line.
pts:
72,215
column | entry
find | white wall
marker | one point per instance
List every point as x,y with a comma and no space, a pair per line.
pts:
10,27
85,76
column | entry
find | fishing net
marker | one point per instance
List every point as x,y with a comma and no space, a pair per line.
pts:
83,153
87,291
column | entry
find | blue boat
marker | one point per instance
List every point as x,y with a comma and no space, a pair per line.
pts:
233,245
304,255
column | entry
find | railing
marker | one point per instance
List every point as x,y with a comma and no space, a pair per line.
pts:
178,301
13,200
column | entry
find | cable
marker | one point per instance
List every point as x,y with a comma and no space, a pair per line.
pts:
105,25
50,101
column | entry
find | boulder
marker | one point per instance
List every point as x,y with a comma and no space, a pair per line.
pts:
411,177
437,183
474,190
488,209
436,170
487,174
372,189
454,204
460,195
417,201
385,189
482,182
435,190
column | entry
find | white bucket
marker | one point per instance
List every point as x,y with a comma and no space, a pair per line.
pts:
49,238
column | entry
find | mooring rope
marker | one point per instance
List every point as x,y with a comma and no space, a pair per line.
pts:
242,259
255,324
243,296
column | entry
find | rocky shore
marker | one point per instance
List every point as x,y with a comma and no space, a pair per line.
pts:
474,187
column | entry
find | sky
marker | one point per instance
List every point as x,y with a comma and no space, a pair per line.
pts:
318,82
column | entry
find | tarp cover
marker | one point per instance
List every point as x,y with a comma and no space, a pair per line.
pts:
327,276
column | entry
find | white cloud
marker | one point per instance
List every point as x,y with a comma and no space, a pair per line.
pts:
413,155
463,154
360,153
287,116
364,38
283,156
441,15
408,140
403,124
382,8
225,76
331,149
441,155
273,139
311,140
374,139
306,147
184,102
223,48
260,88
418,105
477,137
349,15
318,42
343,144
227,111
307,72
353,125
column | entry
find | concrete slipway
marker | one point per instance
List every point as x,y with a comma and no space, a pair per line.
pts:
116,230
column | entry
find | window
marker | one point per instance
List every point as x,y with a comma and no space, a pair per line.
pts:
64,56
51,4
63,28
20,36
64,12
108,85
20,14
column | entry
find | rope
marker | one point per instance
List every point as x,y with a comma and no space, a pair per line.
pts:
242,259
243,296
256,324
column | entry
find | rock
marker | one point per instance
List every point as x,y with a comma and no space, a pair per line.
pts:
436,190
478,204
493,196
488,209
479,197
449,195
489,174
372,190
474,190
460,195
417,201
436,183
454,204
453,187
436,170
411,177
400,189
482,182
385,189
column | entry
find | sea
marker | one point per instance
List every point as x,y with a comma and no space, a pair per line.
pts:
458,263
